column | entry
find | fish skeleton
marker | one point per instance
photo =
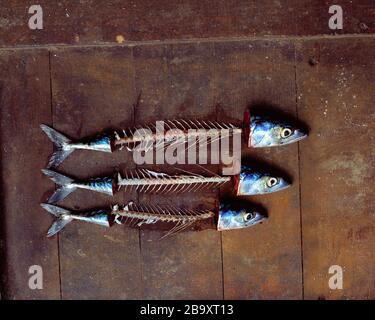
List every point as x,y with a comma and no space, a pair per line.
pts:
227,215
259,132
248,182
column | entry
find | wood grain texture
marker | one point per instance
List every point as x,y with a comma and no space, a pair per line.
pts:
175,82
263,261
337,165
208,68
93,90
118,21
25,103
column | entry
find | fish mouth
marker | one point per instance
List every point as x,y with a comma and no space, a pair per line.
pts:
259,218
283,184
300,134
297,136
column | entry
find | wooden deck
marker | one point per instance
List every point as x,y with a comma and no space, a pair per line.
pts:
192,61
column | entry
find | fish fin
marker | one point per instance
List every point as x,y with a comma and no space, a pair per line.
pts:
61,193
55,210
57,178
58,157
57,226
56,137
65,183
61,142
63,218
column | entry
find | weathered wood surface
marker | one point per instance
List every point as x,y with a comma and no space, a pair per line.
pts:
91,90
115,21
336,98
25,103
263,261
214,80
325,218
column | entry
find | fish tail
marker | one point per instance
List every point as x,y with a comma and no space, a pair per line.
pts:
66,185
62,143
63,218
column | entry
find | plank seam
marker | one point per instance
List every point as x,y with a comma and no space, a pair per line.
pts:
51,102
3,248
299,174
190,40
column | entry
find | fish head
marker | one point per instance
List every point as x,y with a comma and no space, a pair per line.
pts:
252,182
238,214
267,132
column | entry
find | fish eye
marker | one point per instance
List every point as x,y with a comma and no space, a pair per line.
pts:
271,182
248,216
286,132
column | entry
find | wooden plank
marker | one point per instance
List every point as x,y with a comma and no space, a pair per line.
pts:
262,262
337,165
92,91
73,22
175,82
25,103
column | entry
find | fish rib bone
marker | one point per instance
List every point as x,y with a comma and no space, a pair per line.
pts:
163,214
